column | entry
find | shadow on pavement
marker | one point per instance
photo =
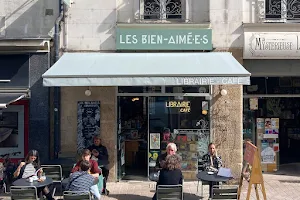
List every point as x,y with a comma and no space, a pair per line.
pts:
291,169
188,196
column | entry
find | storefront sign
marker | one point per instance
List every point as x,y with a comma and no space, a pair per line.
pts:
144,38
280,45
184,106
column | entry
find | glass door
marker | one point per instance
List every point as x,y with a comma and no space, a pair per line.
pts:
132,137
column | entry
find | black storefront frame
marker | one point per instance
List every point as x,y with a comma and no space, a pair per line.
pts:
207,97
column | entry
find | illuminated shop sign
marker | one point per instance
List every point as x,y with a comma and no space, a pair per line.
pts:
183,106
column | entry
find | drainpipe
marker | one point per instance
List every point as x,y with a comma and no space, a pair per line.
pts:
56,92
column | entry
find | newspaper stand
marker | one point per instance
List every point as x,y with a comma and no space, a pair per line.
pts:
253,160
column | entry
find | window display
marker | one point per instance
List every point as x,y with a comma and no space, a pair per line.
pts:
183,122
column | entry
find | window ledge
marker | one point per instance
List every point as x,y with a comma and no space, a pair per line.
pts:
174,24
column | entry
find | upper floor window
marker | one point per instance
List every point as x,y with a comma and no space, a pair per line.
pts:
282,9
161,9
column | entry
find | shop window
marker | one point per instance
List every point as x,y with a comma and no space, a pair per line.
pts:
187,89
161,9
12,130
258,86
165,114
139,89
14,71
273,85
282,9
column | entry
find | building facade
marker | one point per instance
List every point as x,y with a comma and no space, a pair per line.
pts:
149,31
26,29
271,54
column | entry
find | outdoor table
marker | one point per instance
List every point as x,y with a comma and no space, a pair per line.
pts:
154,176
37,184
204,176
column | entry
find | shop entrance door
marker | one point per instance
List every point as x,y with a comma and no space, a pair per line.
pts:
132,137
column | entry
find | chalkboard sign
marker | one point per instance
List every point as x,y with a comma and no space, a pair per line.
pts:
88,123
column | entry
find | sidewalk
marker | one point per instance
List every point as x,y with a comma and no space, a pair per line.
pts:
278,187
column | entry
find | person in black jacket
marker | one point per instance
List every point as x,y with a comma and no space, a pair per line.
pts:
99,153
171,172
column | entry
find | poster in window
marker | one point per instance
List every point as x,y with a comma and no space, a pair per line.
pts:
267,153
88,123
154,140
153,156
253,103
9,130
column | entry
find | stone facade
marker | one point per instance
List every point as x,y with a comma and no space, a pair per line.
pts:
107,97
227,121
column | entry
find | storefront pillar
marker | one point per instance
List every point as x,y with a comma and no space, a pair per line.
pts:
227,125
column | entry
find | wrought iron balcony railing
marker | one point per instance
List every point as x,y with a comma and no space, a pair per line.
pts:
161,9
282,9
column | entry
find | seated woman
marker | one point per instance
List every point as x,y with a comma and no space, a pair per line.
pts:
94,171
171,173
28,168
212,162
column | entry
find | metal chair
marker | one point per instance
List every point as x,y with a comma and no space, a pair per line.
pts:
78,195
23,193
166,192
201,168
54,172
225,192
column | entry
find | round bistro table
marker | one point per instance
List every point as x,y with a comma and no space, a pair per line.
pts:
211,178
204,176
37,184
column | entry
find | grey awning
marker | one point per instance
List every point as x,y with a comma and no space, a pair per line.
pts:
146,69
8,98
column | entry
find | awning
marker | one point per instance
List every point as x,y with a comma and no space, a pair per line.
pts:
146,69
8,98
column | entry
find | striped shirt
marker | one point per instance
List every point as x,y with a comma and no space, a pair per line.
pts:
80,181
29,170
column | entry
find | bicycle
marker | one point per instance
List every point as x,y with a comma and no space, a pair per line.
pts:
7,169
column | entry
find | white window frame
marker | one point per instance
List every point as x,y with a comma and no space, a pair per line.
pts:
283,13
20,110
185,6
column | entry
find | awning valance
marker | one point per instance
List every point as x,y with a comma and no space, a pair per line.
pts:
146,69
8,98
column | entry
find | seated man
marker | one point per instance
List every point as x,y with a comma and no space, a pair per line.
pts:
83,181
94,170
100,154
170,150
